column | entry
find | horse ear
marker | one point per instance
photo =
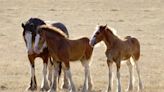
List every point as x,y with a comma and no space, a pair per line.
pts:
106,26
23,25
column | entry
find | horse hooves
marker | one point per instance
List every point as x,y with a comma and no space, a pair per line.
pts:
44,89
51,90
65,86
31,88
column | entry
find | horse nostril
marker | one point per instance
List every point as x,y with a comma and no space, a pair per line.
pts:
92,43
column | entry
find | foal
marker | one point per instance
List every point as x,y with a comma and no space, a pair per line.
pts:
118,50
63,50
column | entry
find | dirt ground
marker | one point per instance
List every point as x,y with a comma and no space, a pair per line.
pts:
143,19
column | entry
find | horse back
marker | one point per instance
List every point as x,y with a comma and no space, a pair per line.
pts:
80,49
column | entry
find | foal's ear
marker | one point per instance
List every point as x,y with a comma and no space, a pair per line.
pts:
105,26
23,25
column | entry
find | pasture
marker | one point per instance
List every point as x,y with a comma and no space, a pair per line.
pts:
143,19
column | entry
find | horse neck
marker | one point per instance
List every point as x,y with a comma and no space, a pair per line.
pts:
56,37
109,39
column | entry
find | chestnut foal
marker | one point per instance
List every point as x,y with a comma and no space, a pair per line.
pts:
63,50
118,50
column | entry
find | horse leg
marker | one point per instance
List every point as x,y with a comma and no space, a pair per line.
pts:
33,84
66,81
140,87
44,85
90,83
53,87
131,78
118,76
50,70
110,85
87,74
69,76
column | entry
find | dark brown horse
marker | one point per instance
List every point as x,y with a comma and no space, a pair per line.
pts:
118,50
29,33
64,50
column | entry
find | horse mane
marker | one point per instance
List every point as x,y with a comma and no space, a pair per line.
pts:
53,29
112,30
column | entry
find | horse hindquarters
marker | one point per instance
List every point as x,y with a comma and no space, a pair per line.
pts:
135,48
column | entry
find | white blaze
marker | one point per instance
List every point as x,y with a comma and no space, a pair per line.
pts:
28,37
36,49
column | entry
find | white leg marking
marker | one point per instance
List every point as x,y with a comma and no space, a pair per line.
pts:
69,75
86,70
131,77
55,75
110,85
44,85
28,38
50,70
90,83
118,81
139,77
66,83
32,76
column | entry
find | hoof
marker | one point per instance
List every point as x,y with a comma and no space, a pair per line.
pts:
65,86
130,89
51,90
30,88
44,89
90,87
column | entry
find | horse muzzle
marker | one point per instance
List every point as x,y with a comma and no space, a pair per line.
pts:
92,42
36,50
30,52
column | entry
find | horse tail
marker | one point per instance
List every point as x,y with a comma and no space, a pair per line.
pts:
136,46
60,69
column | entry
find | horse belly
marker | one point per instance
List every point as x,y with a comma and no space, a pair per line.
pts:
76,56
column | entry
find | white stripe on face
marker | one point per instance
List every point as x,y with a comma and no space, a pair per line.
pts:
37,39
93,39
28,37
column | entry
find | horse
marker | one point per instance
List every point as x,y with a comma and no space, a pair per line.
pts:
64,50
29,33
117,50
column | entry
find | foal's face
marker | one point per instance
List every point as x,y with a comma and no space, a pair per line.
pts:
39,41
98,35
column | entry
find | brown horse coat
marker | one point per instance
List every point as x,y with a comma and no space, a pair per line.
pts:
118,50
64,50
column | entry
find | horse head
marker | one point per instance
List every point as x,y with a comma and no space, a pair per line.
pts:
29,32
98,35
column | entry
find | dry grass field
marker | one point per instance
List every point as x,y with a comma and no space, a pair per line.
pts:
143,19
